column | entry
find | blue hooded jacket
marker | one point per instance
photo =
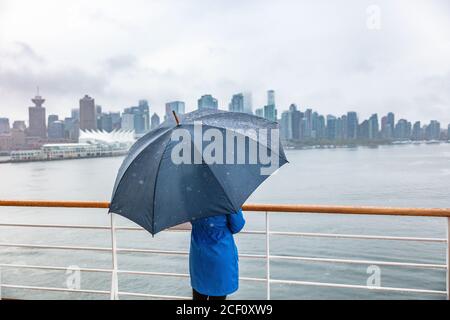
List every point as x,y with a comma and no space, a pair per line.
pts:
213,257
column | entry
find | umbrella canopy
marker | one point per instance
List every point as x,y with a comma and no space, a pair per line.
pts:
207,164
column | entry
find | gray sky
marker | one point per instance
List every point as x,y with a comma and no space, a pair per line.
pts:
320,54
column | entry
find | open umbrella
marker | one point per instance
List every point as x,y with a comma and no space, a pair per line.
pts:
205,163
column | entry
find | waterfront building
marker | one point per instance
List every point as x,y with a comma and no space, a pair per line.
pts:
295,118
352,125
88,118
402,130
448,132
416,131
105,122
207,101
237,103
4,125
331,127
285,126
177,106
363,130
155,121
373,127
433,130
36,115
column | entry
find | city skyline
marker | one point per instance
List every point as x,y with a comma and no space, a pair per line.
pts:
318,54
296,126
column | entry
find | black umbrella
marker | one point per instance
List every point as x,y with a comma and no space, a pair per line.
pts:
206,163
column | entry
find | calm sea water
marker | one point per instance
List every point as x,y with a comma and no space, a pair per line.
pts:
409,176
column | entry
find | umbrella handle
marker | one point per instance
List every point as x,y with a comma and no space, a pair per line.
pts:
176,117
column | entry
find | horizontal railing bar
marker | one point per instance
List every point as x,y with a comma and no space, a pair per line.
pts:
252,256
145,295
279,233
352,286
370,262
355,236
24,266
11,286
286,208
275,281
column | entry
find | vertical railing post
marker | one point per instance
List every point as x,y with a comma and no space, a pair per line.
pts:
114,278
448,258
267,256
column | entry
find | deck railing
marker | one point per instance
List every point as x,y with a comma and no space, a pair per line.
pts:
115,293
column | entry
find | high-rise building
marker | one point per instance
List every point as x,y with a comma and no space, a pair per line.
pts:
295,117
270,113
307,124
75,114
248,102
237,103
37,126
402,130
373,127
271,98
417,131
155,121
56,130
52,118
259,112
177,106
19,125
433,130
136,118
207,101
363,130
352,125
285,126
448,132
105,122
88,117
388,126
4,125
71,129
331,127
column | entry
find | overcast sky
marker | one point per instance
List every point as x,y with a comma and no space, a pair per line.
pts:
332,56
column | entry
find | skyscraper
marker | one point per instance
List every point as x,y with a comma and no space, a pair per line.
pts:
433,130
416,131
237,103
155,121
271,98
352,125
136,118
331,127
259,112
248,103
207,101
177,106
88,118
4,125
37,127
270,113
373,127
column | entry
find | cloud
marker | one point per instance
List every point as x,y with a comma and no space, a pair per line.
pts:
316,54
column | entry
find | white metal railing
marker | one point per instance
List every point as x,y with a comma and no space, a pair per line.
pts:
114,293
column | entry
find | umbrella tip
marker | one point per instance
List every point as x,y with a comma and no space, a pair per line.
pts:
176,117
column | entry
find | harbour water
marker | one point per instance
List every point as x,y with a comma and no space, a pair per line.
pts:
401,175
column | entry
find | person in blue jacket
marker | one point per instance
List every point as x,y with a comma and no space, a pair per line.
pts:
213,257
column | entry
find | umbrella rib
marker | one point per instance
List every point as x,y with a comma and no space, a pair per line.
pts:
154,189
